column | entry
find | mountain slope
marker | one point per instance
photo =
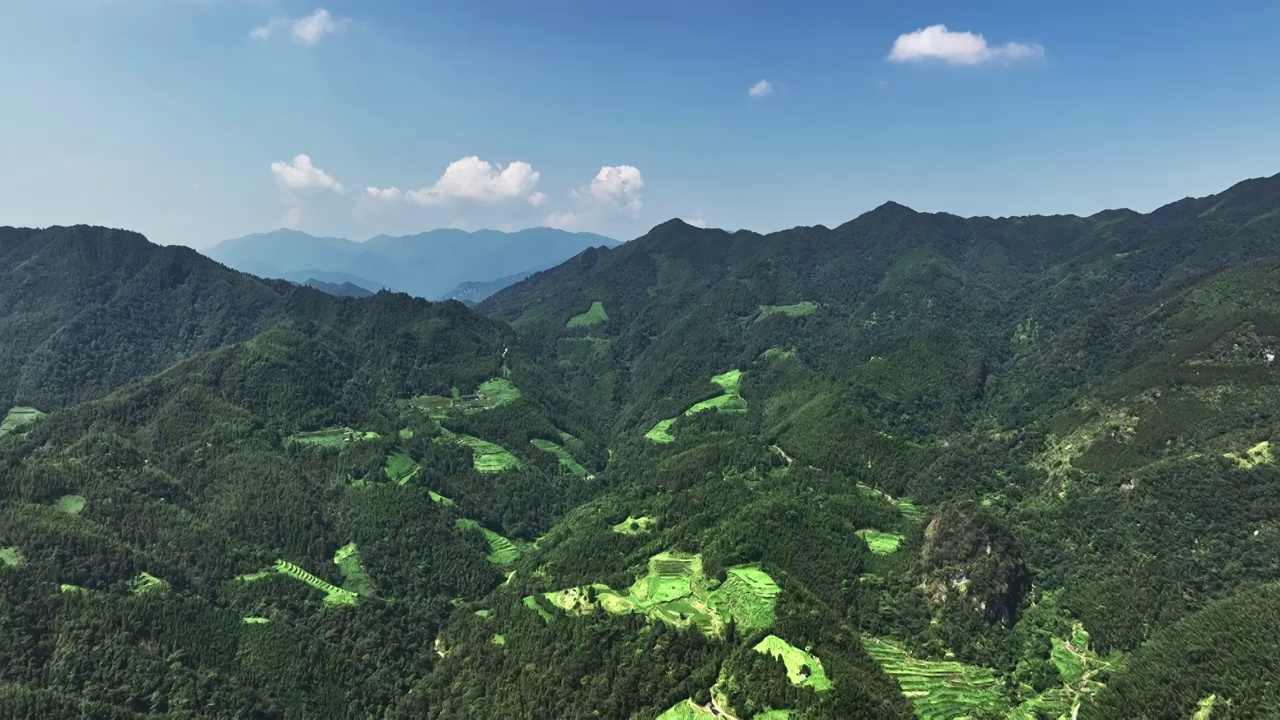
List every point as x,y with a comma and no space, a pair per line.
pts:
345,289
428,264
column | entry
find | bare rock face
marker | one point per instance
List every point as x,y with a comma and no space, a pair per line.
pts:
969,558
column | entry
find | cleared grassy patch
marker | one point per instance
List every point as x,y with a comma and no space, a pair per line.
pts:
687,710
332,437
496,392
566,459
70,504
773,715
347,558
593,316
334,595
635,525
484,613
498,640
880,543
1259,454
803,669
1204,709
799,309
255,620
11,556
501,550
17,418
254,577
486,457
531,602
147,584
730,401
401,468
939,689
439,499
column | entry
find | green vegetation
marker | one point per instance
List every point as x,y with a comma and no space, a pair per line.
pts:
70,504
532,603
347,558
501,550
334,595
880,543
803,669
1204,709
400,468
592,316
566,459
687,710
799,309
498,640
635,525
439,499
11,556
939,689
748,595
17,418
255,620
661,433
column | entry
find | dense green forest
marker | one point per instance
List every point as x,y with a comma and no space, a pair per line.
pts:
914,466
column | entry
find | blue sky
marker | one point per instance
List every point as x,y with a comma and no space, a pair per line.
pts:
177,119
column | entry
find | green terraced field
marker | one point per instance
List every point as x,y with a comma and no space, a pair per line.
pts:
939,689
255,620
254,577
347,558
635,525
334,595
401,468
566,459
773,715
147,584
670,578
486,457
593,316
496,392
11,556
332,437
18,417
440,499
880,543
748,595
70,504
730,401
803,669
687,710
799,309
531,602
501,550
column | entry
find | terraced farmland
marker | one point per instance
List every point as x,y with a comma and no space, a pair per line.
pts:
803,669
18,417
501,550
799,309
401,468
939,689
347,558
147,584
880,543
566,459
332,437
486,457
334,595
729,401
748,595
593,316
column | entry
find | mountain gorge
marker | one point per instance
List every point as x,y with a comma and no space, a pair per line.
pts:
430,265
916,465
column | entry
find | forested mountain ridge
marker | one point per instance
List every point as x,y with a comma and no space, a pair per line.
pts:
916,465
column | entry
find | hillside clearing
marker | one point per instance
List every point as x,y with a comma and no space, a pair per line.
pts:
635,525
939,689
501,550
70,504
593,316
332,437
803,669
347,558
334,595
880,543
799,309
400,468
11,556
18,417
486,457
566,459
729,401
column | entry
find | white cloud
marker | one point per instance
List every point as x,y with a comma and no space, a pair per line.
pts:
936,42
474,180
563,221
760,89
292,219
614,188
307,30
302,175
697,222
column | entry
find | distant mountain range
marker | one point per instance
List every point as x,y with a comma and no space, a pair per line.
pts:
345,289
436,264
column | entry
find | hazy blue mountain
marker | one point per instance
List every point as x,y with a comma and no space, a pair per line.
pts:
428,264
304,277
345,289
472,292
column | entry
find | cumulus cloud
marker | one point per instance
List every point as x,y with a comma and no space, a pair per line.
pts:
697,221
474,180
760,89
936,42
301,175
614,188
307,30
563,221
